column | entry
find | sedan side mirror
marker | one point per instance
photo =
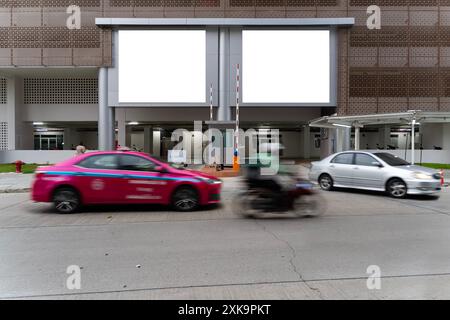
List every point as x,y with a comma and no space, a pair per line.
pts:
160,169
377,164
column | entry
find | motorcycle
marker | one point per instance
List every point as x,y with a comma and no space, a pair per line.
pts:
301,199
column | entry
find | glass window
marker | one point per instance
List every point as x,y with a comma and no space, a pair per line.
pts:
136,163
344,158
105,161
365,160
391,160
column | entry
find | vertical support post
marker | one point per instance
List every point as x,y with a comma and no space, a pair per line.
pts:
357,137
148,139
236,137
413,133
104,116
306,142
224,113
346,136
211,103
112,128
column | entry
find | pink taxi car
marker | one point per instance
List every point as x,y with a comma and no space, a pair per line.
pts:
118,177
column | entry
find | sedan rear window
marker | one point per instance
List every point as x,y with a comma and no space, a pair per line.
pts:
103,161
136,163
366,160
343,158
391,160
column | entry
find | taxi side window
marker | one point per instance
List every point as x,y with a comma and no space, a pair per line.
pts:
135,163
105,161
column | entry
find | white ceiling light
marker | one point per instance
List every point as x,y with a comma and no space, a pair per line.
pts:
38,123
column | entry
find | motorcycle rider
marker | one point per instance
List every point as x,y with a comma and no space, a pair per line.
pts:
277,182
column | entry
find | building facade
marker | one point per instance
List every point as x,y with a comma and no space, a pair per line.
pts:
51,76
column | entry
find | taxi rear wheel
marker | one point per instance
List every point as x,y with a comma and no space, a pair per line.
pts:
185,199
66,200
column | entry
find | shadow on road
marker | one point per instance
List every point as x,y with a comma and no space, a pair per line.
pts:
384,195
126,208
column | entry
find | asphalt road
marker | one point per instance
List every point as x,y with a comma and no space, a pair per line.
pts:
152,253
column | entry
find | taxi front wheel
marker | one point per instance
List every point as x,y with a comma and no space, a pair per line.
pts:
185,199
66,200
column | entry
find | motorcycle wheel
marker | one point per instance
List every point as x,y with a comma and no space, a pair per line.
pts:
243,204
312,205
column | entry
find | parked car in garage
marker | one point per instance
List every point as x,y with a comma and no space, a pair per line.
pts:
380,171
122,177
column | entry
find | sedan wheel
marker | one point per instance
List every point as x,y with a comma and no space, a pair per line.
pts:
397,188
185,199
325,182
66,200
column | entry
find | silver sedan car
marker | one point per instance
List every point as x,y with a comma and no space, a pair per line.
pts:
379,171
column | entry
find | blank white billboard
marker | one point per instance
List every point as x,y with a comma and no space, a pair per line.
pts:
286,66
162,66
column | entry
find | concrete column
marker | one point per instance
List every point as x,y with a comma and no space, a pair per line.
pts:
357,138
306,142
224,113
347,134
148,139
112,127
123,131
157,143
104,114
343,136
339,139
384,136
67,138
11,101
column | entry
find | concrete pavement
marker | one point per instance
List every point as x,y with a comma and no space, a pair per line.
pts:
213,254
15,182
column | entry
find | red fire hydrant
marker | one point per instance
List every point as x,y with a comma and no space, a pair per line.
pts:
19,164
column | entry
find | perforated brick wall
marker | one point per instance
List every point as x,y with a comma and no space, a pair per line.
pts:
3,91
3,136
60,91
405,65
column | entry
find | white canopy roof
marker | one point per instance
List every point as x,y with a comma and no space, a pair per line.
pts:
404,118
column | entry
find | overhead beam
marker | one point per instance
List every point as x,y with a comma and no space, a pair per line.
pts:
116,22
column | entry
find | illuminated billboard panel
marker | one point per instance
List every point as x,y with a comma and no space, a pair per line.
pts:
162,66
286,66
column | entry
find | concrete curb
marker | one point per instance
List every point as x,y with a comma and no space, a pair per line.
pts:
23,190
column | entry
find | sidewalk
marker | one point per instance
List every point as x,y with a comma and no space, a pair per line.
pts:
15,182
